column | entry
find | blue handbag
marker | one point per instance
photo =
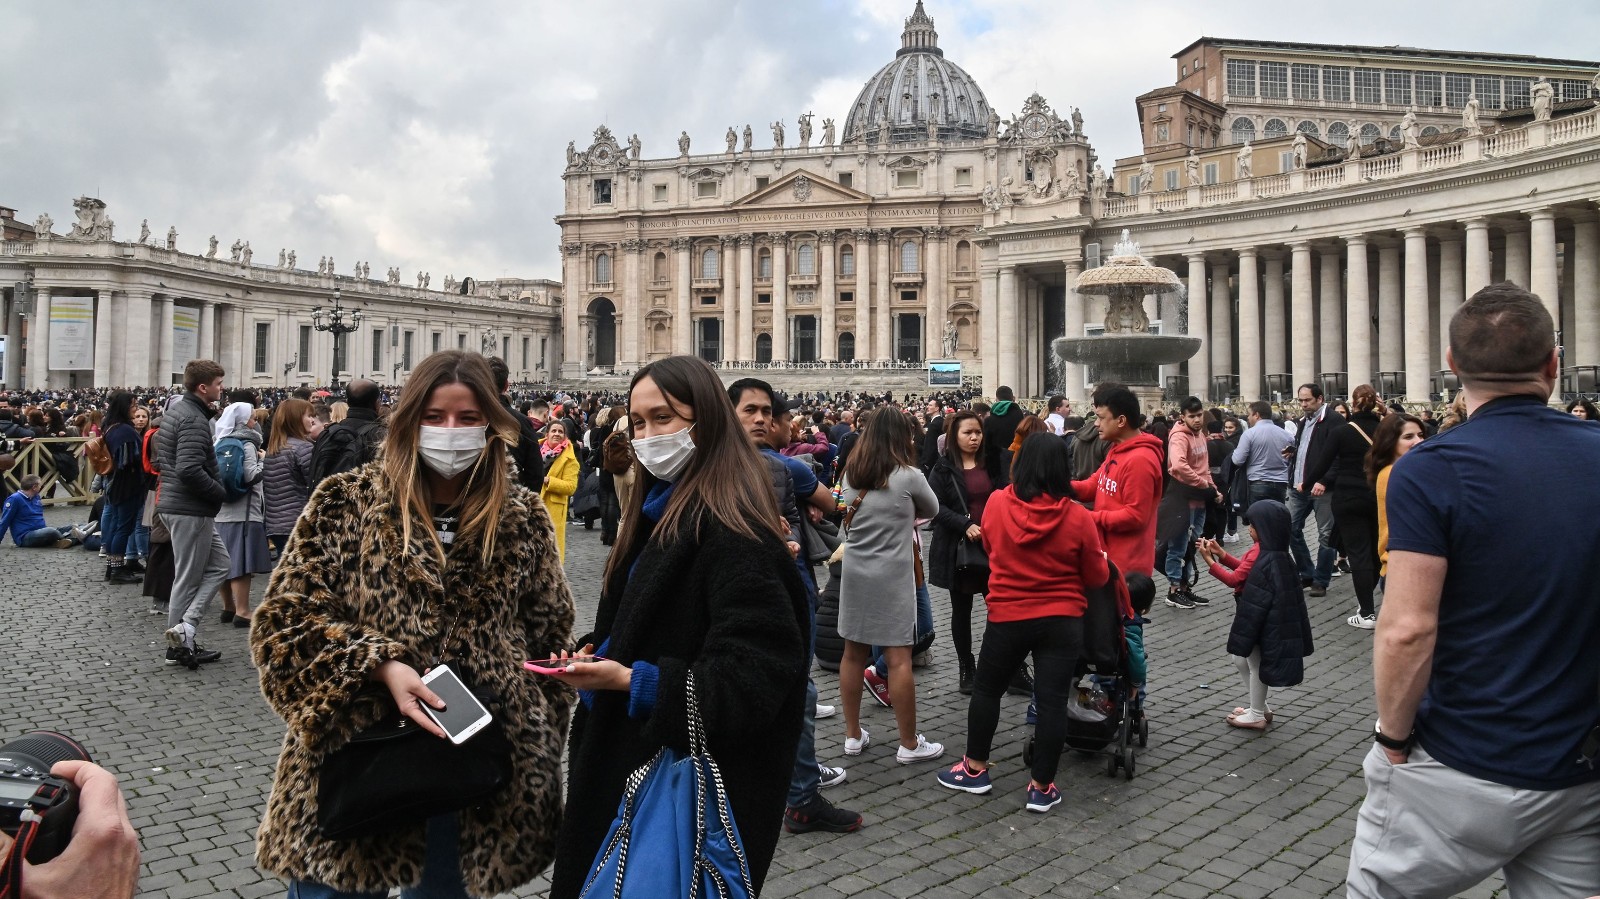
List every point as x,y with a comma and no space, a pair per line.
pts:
674,834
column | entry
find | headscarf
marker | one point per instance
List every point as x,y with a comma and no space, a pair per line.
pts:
550,448
235,416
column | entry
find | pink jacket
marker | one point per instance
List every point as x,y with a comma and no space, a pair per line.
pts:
1187,459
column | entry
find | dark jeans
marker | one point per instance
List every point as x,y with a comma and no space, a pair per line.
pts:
961,625
116,524
806,779
1056,644
1356,511
1260,490
1303,505
45,536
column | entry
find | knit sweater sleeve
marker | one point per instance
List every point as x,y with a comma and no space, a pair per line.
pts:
1383,520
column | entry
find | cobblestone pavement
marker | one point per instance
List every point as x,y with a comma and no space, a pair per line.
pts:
1212,811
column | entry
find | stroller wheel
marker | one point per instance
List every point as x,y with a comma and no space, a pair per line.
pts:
1144,732
1111,764
1027,753
1127,763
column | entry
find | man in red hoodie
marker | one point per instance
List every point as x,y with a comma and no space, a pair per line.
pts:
1127,488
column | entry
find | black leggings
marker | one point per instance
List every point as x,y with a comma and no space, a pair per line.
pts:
961,625
1056,644
1356,511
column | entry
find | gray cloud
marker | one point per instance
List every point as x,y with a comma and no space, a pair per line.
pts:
430,135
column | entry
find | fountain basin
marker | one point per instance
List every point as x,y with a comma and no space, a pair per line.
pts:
1133,349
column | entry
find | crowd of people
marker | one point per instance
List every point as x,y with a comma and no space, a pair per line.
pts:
409,529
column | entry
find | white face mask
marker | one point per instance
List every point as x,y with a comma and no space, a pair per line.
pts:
665,455
450,451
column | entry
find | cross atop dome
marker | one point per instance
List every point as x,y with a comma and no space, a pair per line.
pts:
919,36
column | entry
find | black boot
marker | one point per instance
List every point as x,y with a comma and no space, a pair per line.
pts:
1022,683
116,574
133,566
968,670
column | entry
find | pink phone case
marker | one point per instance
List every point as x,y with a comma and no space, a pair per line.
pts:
537,668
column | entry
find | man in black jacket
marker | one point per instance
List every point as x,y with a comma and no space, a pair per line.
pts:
1310,442
191,495
999,429
354,441
930,438
530,465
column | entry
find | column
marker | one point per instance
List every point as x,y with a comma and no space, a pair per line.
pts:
102,340
1452,289
39,341
164,359
1358,312
989,329
1007,315
572,331
136,341
780,296
882,322
1221,318
231,323
727,344
1545,277
1251,385
631,322
746,323
1199,363
1478,276
1585,337
863,291
1517,266
1391,326
1331,308
935,303
1072,318
683,317
208,331
12,375
1303,352
1275,345
1418,332
828,295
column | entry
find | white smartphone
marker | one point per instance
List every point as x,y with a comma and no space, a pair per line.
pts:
463,715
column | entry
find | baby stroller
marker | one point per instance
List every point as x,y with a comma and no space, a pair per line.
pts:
1104,710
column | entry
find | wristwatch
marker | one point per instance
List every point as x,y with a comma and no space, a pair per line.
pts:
1388,742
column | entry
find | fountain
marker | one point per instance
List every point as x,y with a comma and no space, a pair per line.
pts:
1127,352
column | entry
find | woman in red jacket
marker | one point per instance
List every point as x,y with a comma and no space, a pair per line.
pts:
1044,555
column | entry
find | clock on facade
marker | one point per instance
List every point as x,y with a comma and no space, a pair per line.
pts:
1035,126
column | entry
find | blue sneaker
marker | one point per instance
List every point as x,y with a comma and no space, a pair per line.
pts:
1039,800
1033,713
962,778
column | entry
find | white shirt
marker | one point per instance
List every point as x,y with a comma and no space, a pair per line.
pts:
1056,423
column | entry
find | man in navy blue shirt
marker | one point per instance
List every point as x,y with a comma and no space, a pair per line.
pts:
1486,661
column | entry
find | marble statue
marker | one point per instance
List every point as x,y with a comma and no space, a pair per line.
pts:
634,146
144,231
1243,161
427,280
172,237
42,225
394,275
236,249
358,270
827,132
588,345
92,223
1147,175
1352,145
291,260
283,257
1410,133
777,135
419,279
683,143
247,254
1594,85
749,139
1101,184
322,265
994,124
1543,96
949,339
1074,184
1300,150
572,153
1077,122
805,130
366,271
211,251
1469,115
732,138
449,283
1191,169
995,199
331,269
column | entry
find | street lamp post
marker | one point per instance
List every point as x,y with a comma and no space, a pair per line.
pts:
333,320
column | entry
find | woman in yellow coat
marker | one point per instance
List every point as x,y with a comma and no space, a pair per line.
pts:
560,479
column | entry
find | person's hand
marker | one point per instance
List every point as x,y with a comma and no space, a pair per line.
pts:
409,693
1318,490
1395,756
102,860
793,548
974,533
603,674
814,513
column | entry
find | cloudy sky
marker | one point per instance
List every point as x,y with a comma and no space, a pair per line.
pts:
431,135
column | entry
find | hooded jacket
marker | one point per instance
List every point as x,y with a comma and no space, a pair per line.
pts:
190,484
1044,553
1270,614
998,430
1126,491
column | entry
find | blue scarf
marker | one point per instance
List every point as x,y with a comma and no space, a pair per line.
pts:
655,502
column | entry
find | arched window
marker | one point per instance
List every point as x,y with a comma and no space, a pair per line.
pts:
602,268
1244,130
847,260
658,338
805,259
763,347
847,347
963,257
1338,133
764,264
1430,131
908,257
658,269
1309,128
708,265
1394,133
1370,133
1275,128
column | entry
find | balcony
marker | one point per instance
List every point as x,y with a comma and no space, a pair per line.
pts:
706,283
802,280
907,278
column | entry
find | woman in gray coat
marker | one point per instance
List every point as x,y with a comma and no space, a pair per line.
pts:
288,469
886,494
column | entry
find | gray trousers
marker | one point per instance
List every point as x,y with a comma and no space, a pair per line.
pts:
1427,830
199,566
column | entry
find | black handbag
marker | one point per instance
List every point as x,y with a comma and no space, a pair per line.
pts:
972,560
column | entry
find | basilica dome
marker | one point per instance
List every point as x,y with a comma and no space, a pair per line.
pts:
919,85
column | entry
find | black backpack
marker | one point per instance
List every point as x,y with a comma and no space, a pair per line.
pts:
342,449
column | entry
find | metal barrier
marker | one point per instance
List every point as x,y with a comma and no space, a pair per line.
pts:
37,457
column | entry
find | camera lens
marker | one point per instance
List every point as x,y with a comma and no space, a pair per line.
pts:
41,749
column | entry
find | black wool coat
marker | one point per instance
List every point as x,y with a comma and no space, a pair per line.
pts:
734,612
1271,612
950,524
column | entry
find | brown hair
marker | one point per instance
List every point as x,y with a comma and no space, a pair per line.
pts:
200,371
489,482
952,428
1030,424
289,420
1363,398
1503,333
884,445
1385,439
724,480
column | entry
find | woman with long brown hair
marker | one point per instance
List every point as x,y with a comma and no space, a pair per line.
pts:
886,493
432,554
288,474
1342,469
963,482
699,584
1396,435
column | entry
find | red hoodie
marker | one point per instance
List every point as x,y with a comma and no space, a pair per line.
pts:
1043,554
1126,491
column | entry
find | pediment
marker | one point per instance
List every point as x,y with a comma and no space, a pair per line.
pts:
800,187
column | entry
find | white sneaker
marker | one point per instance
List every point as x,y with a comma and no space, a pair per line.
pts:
854,747
1230,537
180,636
1365,622
925,752
830,777
825,711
